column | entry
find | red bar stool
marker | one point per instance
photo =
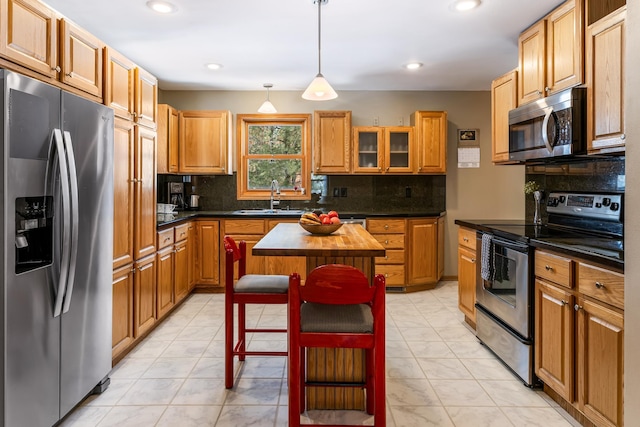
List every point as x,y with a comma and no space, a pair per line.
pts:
249,289
337,308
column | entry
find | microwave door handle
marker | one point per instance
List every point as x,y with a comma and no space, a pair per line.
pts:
545,123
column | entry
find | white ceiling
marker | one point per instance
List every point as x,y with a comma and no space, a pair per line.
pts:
364,42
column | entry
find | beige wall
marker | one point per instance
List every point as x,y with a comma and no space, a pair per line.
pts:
632,226
486,192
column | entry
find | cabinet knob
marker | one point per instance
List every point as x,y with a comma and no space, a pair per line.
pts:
465,239
386,257
547,89
420,168
379,168
387,169
539,92
386,242
548,268
386,274
577,307
600,285
57,69
563,302
623,136
386,226
317,168
67,74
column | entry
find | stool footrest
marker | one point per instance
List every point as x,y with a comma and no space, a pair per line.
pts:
334,384
266,330
260,353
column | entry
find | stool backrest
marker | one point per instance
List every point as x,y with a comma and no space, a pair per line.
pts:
339,284
235,253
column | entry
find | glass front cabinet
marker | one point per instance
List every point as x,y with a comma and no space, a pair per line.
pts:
383,149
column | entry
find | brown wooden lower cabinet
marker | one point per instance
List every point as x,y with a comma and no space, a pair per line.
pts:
181,270
144,284
122,327
165,259
207,255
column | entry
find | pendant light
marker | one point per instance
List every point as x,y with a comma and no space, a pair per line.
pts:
267,107
319,89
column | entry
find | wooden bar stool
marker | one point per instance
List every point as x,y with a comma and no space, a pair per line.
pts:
337,308
249,289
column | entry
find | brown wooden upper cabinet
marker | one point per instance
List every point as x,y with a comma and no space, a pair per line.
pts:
551,53
119,83
605,41
168,137
205,142
34,36
387,149
504,97
430,141
332,142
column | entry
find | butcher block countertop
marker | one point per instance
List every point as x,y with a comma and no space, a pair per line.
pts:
289,239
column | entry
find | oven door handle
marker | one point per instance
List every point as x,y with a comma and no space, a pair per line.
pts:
519,247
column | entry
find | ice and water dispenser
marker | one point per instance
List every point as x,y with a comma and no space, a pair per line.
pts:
34,232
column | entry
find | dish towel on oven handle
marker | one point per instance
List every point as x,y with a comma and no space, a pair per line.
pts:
486,257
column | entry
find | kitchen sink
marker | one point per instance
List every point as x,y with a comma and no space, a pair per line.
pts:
269,212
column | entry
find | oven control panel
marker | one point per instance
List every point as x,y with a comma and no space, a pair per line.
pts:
600,206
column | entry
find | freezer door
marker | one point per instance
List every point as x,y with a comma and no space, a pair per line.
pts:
31,357
87,317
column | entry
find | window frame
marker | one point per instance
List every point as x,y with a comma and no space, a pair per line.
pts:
243,121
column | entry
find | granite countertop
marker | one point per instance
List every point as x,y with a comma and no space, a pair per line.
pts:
608,251
167,219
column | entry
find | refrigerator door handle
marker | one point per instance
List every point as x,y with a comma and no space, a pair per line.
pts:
73,185
56,152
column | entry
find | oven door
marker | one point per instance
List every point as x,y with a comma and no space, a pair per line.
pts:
508,296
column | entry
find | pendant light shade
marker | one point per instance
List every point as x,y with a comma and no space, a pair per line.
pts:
319,89
267,107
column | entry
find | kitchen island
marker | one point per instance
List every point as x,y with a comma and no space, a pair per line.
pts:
350,245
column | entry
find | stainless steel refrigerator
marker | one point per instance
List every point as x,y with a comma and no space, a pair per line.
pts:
57,229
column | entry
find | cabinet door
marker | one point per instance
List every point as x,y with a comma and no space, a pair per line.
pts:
605,46
118,83
600,363
145,192
368,148
565,59
122,325
332,142
208,250
205,142
504,97
164,280
192,255
123,192
181,270
81,57
29,35
430,141
167,139
467,282
144,281
423,251
532,54
554,338
146,98
398,149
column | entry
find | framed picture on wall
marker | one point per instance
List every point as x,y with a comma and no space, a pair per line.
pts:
468,137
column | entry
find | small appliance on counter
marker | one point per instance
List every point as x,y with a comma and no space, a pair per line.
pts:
194,202
176,194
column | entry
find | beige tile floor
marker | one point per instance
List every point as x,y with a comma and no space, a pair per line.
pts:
437,374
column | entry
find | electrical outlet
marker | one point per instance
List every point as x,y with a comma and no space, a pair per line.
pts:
336,192
376,122
343,192
401,121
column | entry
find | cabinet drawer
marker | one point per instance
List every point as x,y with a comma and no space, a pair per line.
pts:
392,256
165,238
390,241
385,226
467,238
604,285
244,226
181,232
555,268
393,274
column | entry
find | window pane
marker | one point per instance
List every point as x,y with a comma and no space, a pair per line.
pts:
286,172
275,139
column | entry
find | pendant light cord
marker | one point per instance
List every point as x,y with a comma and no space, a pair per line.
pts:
319,36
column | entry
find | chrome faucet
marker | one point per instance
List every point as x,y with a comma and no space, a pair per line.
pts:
276,188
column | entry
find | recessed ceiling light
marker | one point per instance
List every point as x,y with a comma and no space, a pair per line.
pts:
161,6
413,65
464,5
213,66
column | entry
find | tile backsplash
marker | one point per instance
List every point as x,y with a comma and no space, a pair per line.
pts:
346,193
601,175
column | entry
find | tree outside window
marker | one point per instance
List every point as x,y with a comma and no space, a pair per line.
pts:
274,147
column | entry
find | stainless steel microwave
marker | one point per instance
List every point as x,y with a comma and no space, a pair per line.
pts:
554,126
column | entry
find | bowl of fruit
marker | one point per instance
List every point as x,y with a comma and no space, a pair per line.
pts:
322,224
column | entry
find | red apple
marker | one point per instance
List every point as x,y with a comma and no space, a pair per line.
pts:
335,220
323,216
326,220
333,214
